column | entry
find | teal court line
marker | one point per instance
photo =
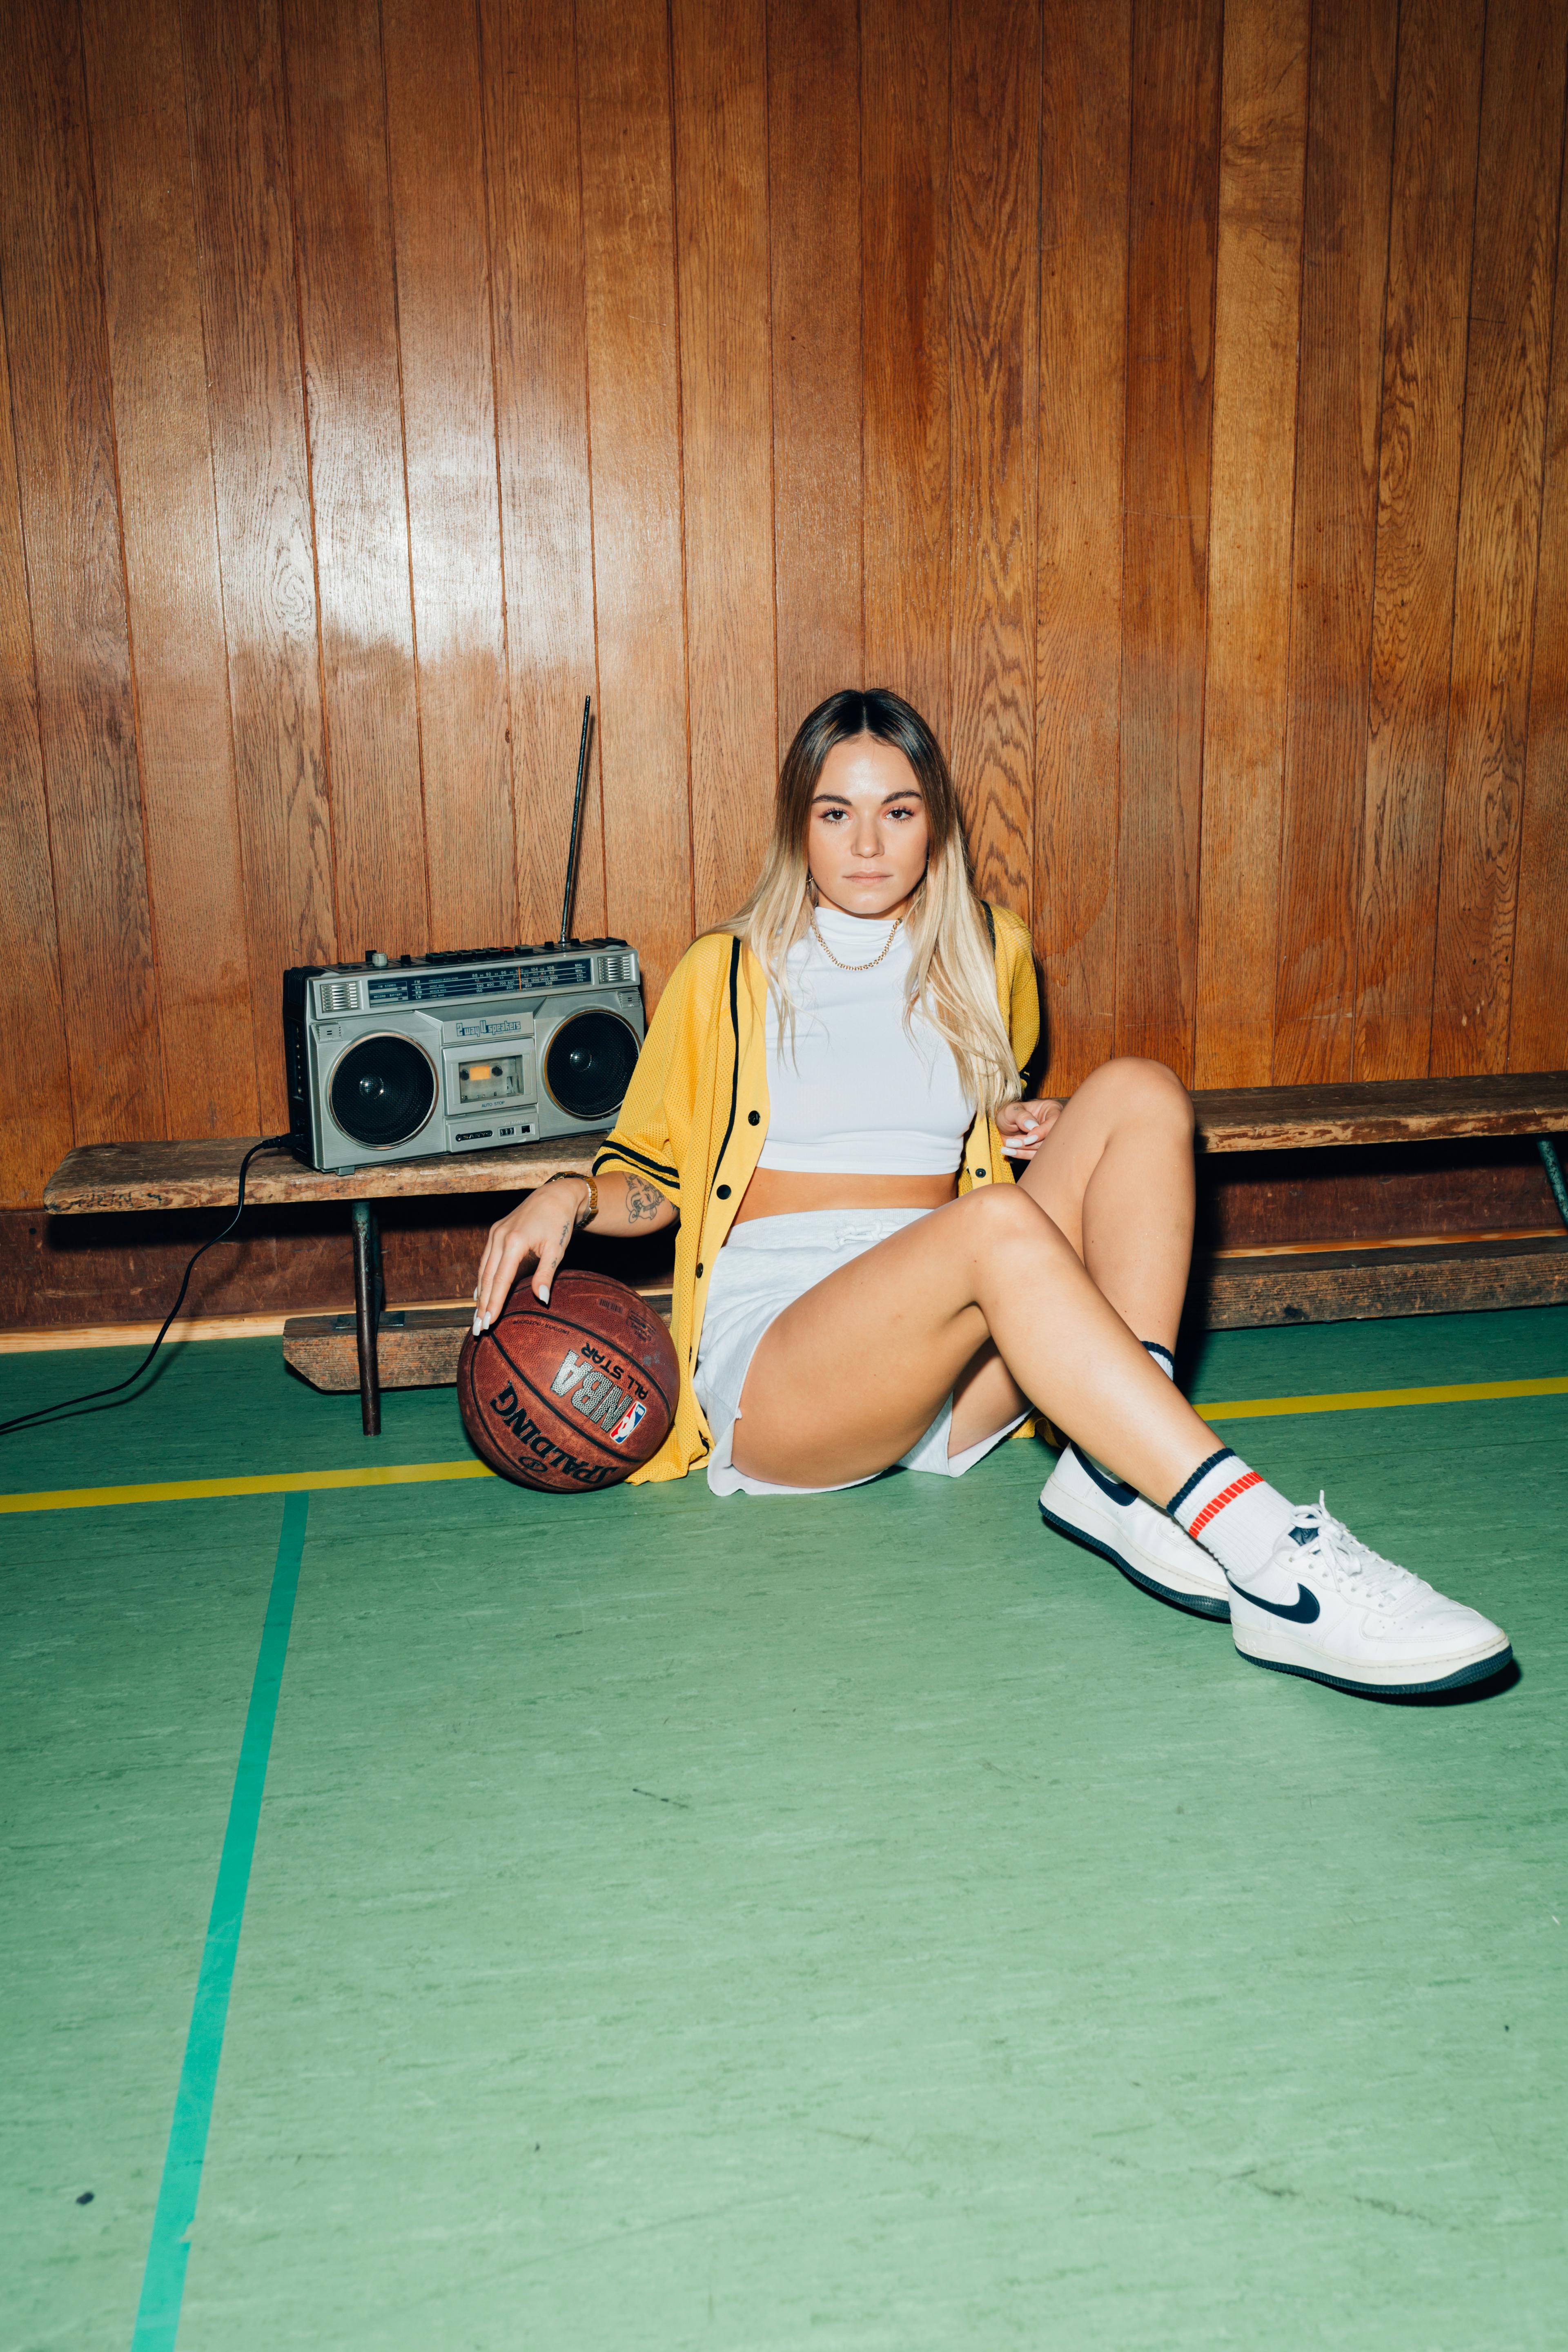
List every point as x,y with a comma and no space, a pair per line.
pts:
163,2280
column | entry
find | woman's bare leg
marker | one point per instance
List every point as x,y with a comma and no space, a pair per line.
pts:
1115,1176
851,1375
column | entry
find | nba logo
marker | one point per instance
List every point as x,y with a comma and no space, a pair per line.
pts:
627,1424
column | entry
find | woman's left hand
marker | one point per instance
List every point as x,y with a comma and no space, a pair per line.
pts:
1026,1125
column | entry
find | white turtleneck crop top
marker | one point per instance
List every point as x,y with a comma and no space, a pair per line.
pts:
860,1094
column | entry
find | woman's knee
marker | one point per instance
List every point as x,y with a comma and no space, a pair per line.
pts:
1003,1217
1133,1087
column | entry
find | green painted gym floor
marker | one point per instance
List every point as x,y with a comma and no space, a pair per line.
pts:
866,1922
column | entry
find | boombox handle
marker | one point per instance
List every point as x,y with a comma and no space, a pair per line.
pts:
576,828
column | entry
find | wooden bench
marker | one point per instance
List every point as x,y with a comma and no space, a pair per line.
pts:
111,1178
417,1346
1309,1284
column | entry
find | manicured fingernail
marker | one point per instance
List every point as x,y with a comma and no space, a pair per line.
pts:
544,1298
476,1323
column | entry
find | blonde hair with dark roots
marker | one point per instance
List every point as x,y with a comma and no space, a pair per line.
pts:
952,975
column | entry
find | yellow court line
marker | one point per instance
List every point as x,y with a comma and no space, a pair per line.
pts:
1368,1400
278,1481
423,1474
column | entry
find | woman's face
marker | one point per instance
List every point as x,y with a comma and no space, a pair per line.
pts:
868,839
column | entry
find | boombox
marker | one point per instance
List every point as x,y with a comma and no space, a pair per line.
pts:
470,1050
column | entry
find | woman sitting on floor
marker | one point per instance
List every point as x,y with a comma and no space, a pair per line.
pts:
826,1100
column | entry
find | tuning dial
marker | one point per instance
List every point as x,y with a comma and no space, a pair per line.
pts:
375,958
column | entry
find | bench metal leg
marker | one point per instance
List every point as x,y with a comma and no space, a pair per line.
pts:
1555,1176
367,1312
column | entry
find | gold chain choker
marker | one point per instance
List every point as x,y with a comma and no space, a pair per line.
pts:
876,959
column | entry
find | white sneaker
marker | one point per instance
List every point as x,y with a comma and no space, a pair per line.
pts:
1146,1544
1328,1607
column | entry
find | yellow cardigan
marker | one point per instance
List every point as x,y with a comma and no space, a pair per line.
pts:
696,1117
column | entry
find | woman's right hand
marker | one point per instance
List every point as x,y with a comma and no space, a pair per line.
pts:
536,1233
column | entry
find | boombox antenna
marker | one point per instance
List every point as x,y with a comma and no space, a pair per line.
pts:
576,826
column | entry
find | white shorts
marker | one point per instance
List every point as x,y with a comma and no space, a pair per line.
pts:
764,1266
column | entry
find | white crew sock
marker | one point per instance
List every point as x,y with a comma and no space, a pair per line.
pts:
1233,1512
1108,1478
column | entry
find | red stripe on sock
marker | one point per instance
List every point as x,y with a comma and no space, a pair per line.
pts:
1226,1495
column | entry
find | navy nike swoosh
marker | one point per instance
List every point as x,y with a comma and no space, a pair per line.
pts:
1302,1610
1116,1489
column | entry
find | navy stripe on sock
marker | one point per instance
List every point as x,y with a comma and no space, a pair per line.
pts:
1158,1348
1226,1453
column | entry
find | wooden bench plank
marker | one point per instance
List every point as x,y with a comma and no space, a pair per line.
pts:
1394,1110
1354,1285
416,1347
203,1175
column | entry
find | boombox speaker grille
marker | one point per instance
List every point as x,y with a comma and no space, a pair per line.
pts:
589,1063
384,1090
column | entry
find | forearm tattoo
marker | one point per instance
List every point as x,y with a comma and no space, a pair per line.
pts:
644,1200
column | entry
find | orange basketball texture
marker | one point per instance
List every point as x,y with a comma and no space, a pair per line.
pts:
574,1395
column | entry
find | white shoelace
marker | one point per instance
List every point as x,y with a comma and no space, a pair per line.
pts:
1351,1566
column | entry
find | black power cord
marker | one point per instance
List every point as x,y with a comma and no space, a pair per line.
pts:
94,1396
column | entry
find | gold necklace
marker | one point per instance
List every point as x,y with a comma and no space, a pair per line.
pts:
876,959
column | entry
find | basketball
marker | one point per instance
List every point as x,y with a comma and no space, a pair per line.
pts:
571,1396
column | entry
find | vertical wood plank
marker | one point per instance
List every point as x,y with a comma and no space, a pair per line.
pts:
629,206
1170,384
721,231
1538,1026
435,143
65,455
814,177
994,303
245,241
1083,390
904,82
153,309
35,1074
1437,122
337,125
1257,304
1349,150
529,52
1506,383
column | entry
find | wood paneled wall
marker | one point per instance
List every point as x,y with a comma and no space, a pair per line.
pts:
1171,396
